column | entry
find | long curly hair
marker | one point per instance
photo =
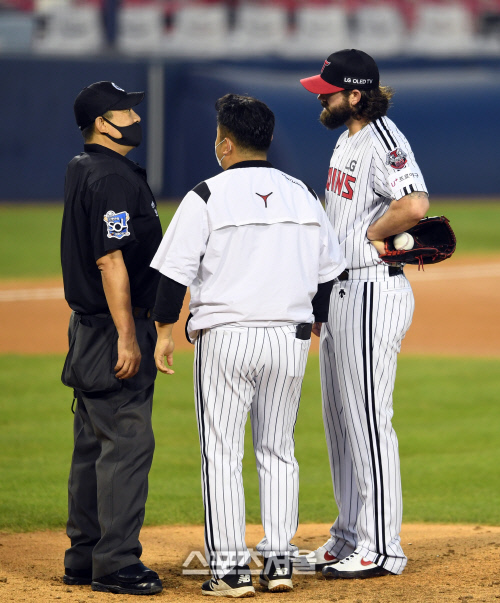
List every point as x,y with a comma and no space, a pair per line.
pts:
373,103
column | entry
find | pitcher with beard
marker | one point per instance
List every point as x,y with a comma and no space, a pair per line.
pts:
374,189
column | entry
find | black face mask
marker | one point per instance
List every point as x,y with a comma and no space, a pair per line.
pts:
131,135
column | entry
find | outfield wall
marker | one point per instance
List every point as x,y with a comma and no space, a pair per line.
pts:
447,110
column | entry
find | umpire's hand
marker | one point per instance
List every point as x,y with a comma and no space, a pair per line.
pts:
164,347
116,287
129,357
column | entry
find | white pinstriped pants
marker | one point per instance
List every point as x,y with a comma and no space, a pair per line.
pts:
239,370
358,356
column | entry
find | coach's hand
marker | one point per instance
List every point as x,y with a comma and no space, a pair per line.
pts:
316,328
164,348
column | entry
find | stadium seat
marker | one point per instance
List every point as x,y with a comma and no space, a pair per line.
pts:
16,32
198,30
47,5
140,29
259,30
489,27
442,29
380,30
70,30
319,30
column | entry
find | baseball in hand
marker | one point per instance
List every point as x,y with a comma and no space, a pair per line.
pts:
403,241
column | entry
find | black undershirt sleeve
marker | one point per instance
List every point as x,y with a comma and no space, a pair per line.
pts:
169,299
321,301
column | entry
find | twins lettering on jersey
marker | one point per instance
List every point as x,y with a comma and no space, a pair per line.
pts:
340,182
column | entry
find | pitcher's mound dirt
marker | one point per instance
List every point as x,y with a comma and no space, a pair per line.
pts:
445,563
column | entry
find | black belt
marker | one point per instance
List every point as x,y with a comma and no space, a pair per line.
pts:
141,312
393,271
136,313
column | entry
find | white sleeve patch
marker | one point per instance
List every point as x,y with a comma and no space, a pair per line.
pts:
117,224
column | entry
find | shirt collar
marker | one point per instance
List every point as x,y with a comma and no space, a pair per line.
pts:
98,148
251,163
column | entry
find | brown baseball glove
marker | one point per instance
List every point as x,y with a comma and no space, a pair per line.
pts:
434,241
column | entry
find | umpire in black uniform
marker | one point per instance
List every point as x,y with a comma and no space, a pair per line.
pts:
110,232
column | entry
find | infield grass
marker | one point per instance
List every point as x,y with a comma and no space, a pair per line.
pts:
446,417
29,245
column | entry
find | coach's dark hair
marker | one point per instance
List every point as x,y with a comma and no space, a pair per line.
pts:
89,131
248,120
373,103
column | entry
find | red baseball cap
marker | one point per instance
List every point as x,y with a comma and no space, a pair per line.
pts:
344,70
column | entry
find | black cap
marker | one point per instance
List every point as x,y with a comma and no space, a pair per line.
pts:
96,99
344,70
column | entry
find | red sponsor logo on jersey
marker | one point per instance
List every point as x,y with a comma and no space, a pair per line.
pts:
264,197
340,183
396,159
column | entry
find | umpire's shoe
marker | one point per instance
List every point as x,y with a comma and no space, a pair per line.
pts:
354,566
237,584
134,579
276,576
74,577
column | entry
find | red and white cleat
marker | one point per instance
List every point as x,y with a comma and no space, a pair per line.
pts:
315,561
354,566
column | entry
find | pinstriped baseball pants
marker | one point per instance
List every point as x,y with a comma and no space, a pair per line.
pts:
358,356
240,370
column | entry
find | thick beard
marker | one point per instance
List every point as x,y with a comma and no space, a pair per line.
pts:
336,118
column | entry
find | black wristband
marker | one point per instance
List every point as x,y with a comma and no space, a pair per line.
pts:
169,299
321,301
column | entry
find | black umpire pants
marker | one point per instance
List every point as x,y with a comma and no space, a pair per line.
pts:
112,456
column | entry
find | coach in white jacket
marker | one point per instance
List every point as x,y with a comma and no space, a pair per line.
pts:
259,255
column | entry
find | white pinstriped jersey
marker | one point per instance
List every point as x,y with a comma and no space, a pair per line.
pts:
367,171
370,313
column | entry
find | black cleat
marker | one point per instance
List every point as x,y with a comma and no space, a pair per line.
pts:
80,577
134,579
236,584
276,577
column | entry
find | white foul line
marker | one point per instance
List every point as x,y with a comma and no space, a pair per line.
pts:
436,273
12,295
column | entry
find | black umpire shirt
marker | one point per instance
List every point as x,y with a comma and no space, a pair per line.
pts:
107,205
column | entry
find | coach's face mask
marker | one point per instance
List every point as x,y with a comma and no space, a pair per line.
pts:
219,161
131,135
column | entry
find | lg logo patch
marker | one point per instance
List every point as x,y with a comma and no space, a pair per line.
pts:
354,80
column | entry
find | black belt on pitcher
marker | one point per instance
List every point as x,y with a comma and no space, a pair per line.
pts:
393,271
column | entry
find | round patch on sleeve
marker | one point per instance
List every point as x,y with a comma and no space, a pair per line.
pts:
396,159
117,224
